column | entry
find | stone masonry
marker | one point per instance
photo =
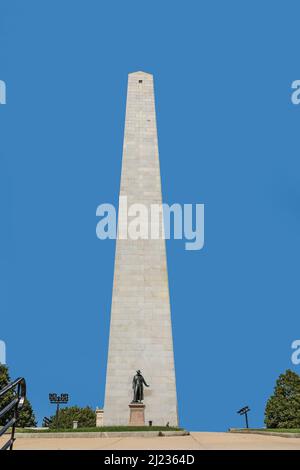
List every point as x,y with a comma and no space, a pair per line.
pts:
140,326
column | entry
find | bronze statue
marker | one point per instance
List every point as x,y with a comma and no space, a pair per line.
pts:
138,389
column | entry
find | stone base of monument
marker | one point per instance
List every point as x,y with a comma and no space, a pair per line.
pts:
137,414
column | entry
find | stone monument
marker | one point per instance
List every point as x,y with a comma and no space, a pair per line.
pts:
99,417
140,326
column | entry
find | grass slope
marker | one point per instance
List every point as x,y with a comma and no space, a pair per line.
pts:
106,429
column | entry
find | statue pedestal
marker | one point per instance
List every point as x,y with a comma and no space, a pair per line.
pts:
137,414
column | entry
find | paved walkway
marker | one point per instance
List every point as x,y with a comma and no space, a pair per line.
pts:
197,440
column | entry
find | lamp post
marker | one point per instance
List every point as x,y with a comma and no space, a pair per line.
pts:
57,400
244,411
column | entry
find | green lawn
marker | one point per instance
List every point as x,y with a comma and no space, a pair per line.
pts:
278,430
106,429
273,430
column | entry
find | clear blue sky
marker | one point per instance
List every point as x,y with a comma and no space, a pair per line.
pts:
228,137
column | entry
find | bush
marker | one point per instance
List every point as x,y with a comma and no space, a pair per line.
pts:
283,407
7,398
26,415
86,417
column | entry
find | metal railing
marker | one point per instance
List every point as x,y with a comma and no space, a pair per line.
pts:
18,387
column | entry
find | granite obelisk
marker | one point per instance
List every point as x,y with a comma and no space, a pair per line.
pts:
140,325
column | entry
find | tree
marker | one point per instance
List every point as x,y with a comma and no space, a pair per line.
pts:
86,417
4,380
26,414
283,407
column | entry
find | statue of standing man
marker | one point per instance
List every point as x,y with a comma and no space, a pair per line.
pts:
138,390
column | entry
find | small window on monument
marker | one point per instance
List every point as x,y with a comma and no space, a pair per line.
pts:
140,81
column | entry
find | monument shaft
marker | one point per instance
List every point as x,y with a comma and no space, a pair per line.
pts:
140,326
